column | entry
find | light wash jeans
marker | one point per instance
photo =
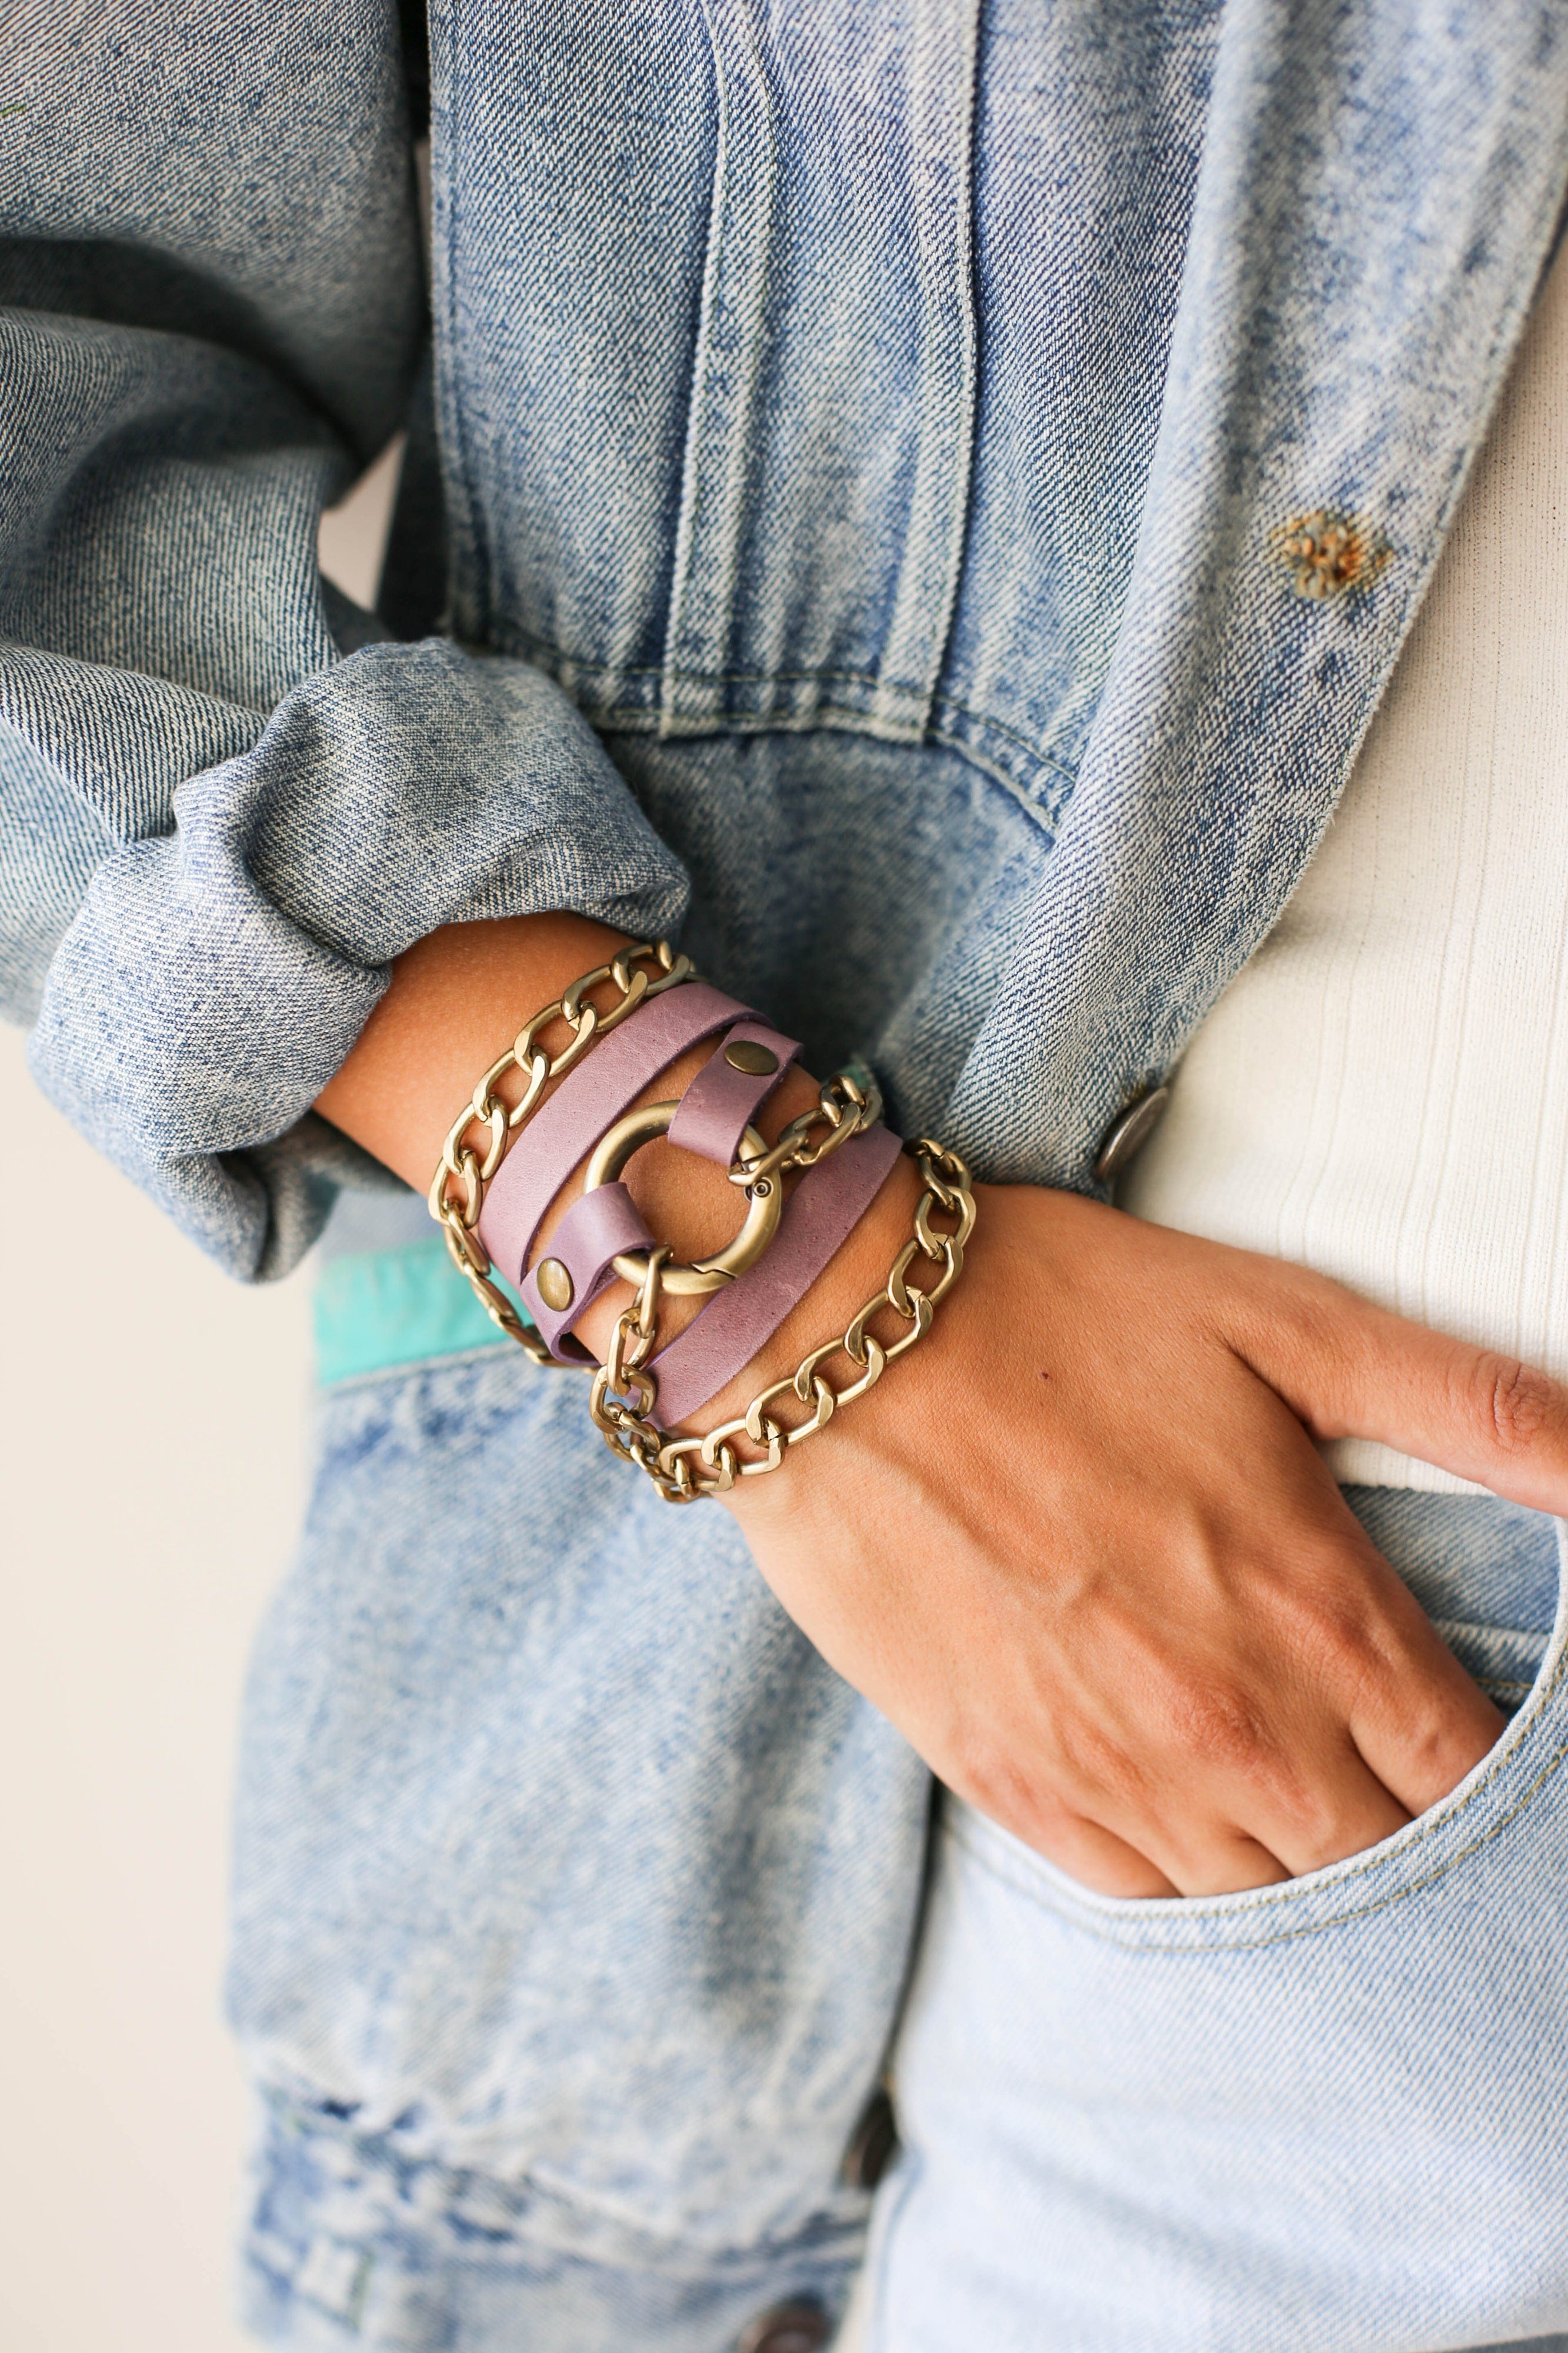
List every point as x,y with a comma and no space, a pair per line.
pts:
1324,2117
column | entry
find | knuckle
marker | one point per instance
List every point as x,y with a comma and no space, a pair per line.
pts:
1516,1405
1310,1817
1220,1726
1082,1768
1439,1750
1333,1628
995,1779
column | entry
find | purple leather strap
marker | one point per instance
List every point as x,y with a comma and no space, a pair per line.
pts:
819,1216
721,1101
584,1243
567,1125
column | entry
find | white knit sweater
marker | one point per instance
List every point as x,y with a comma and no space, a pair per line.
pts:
1383,1092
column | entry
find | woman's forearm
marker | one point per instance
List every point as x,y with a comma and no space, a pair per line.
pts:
456,1000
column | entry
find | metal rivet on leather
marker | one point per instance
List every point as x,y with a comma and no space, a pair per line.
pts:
873,2145
788,2329
554,1285
1129,1132
758,1061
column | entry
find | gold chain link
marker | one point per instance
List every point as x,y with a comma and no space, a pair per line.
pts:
686,1468
457,1188
844,1108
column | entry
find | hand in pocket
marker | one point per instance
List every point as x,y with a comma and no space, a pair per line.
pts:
1081,1549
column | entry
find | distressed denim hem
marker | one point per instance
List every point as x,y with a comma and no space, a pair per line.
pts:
350,2241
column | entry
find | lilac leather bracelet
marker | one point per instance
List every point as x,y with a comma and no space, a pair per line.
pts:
583,1253
730,1090
735,1081
819,1217
571,1121
603,1236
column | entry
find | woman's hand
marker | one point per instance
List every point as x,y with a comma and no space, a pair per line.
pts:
1079,1546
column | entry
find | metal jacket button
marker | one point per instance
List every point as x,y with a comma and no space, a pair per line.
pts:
873,2145
1129,1132
788,2329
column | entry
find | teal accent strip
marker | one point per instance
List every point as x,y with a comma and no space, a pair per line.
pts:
378,1308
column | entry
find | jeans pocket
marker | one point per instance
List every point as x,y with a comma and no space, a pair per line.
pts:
1517,1778
1325,2114
1485,1571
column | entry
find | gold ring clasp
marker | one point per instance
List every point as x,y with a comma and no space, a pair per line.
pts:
764,1200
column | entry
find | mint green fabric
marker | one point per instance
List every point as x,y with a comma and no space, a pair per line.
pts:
376,1308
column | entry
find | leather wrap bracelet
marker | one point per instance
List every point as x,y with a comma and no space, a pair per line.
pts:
625,1393
464,1173
491,1203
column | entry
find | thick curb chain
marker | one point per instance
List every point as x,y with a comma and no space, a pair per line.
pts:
849,1104
457,1188
684,1470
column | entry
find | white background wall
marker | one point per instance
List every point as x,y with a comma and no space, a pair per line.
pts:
152,1438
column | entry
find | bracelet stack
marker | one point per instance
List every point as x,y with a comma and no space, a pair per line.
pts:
492,1198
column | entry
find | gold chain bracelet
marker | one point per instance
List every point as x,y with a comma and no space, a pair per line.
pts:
457,1188
686,1468
848,1103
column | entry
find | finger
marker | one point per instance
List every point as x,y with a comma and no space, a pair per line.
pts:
1195,1848
1226,1861
1403,1722
1352,1370
1087,1851
1333,1805
1421,1725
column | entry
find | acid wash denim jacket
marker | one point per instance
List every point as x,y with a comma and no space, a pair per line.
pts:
867,436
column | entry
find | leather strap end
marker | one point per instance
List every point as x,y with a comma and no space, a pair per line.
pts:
729,1089
580,1264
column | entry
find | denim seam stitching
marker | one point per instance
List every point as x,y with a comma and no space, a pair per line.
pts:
646,723
941,701
703,677
728,251
459,473
1040,805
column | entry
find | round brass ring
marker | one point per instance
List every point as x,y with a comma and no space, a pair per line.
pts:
611,1153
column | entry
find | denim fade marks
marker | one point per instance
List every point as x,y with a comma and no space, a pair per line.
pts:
876,420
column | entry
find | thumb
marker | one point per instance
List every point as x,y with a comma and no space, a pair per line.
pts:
1352,1370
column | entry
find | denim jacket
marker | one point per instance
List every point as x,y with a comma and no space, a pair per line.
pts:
866,440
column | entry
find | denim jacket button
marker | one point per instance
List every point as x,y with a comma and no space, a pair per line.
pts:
788,2328
1129,1132
873,2145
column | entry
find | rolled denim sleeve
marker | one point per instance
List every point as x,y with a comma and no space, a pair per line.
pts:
217,830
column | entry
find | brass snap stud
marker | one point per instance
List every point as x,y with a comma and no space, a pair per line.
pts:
757,1061
765,1204
555,1284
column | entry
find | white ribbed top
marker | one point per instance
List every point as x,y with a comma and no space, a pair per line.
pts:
1383,1092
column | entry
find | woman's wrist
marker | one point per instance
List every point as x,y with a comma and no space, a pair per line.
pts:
457,997
454,999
